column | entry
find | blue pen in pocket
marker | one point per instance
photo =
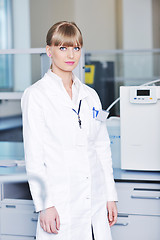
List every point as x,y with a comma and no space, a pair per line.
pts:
95,112
100,115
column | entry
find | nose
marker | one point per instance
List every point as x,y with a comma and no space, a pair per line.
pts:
70,52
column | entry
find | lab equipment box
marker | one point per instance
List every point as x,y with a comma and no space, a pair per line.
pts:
140,130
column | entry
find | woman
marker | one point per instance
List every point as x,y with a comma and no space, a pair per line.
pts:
67,148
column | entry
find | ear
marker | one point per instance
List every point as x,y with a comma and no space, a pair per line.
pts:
48,50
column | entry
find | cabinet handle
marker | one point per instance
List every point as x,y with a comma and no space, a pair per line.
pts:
10,206
122,224
122,215
143,197
34,219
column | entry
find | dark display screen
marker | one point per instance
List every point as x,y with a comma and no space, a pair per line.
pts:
143,92
87,70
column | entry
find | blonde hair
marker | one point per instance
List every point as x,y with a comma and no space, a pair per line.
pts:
64,33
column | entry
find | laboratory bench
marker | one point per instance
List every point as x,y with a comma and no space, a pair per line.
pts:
121,175
138,206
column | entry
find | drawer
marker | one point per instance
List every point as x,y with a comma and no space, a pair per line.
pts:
7,237
136,227
18,218
138,198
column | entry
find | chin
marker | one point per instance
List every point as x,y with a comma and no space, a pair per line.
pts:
70,68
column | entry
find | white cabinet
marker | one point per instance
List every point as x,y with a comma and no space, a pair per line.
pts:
137,227
18,218
139,211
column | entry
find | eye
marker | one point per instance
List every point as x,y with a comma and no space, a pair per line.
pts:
62,48
77,48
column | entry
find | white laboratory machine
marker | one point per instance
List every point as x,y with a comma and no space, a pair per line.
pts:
113,127
140,127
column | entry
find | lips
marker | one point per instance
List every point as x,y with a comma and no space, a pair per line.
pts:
69,63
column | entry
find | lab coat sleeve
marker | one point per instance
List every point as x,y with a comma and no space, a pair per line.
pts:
102,145
33,135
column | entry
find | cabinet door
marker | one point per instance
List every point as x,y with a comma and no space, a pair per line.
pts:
18,219
138,198
131,227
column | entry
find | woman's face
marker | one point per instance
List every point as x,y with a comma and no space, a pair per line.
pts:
64,59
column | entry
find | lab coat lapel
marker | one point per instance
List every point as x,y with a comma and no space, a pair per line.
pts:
56,89
63,98
83,93
81,96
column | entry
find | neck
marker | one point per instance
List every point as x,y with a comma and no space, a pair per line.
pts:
67,81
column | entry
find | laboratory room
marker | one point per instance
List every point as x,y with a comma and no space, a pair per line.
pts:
79,120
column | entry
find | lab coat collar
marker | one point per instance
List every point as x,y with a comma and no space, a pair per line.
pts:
83,93
56,81
57,88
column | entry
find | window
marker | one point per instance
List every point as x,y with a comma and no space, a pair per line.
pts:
5,43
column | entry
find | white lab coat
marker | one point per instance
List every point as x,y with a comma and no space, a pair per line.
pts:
68,159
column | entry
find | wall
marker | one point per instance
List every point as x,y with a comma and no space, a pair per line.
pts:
119,25
137,34
96,19
156,23
156,36
43,14
137,24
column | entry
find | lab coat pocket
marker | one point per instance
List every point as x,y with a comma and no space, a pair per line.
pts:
94,128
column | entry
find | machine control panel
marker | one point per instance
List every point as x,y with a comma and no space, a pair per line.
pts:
143,95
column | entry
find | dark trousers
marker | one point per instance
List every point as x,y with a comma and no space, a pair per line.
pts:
92,233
